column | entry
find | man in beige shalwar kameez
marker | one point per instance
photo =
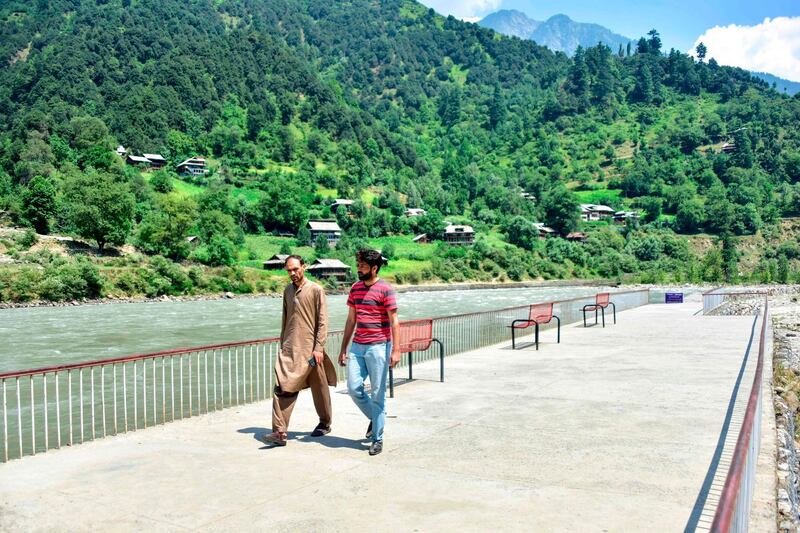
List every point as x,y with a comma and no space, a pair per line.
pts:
302,362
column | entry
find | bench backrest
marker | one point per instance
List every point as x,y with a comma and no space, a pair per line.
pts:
602,298
541,313
416,335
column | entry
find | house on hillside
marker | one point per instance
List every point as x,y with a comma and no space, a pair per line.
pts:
156,160
415,212
528,196
194,166
138,160
341,203
121,151
728,147
276,262
593,212
576,236
329,269
544,231
459,234
422,238
329,228
626,217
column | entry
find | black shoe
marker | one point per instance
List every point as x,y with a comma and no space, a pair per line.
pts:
376,447
369,431
320,430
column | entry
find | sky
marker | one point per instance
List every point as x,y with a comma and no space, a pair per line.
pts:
756,35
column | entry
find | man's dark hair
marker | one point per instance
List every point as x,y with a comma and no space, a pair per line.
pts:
295,256
371,257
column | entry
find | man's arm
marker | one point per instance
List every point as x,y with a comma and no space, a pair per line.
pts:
283,320
321,335
395,323
349,326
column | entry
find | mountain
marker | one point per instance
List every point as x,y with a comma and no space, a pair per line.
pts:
781,85
511,22
559,32
294,102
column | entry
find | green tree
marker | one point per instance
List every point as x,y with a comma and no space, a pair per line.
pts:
730,257
561,209
100,207
321,247
39,203
286,248
160,181
166,228
701,51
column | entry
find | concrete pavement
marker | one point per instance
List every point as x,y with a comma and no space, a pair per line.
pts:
611,430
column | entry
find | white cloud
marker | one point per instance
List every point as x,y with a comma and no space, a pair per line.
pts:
470,10
772,46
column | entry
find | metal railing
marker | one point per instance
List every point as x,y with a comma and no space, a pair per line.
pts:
733,510
716,297
70,404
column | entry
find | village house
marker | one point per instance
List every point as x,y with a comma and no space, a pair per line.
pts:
329,228
341,203
329,269
138,160
528,196
576,236
544,231
121,151
593,213
459,234
156,160
422,238
626,217
194,166
276,262
415,212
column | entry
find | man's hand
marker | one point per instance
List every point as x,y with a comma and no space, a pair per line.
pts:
318,357
343,359
395,358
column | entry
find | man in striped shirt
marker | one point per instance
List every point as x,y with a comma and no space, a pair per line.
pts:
373,316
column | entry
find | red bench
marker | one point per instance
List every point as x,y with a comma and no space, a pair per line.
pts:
416,336
601,301
537,314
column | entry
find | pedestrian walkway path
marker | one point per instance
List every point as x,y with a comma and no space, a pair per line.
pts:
611,430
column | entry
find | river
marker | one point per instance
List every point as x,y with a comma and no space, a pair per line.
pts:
45,336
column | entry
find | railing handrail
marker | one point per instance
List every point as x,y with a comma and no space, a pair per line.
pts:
735,293
733,482
222,346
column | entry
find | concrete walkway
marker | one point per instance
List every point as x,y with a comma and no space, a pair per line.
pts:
612,430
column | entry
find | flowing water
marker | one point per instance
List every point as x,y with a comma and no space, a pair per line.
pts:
46,336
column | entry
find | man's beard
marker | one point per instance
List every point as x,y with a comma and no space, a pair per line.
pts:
364,277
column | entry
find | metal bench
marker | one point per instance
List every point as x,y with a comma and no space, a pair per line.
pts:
601,301
416,336
537,314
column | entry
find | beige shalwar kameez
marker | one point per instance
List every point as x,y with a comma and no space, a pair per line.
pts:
304,329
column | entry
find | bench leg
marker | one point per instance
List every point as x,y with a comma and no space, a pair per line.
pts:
614,310
536,334
558,329
513,347
441,360
603,314
391,382
410,364
595,317
584,317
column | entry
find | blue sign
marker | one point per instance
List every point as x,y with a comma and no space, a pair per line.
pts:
673,298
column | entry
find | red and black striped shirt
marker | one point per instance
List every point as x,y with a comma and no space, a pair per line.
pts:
372,304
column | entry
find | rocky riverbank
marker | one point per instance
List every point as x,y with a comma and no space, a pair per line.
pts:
785,311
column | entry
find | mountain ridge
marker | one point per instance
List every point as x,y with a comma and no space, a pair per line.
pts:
559,32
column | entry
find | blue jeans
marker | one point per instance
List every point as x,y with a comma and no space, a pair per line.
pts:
369,360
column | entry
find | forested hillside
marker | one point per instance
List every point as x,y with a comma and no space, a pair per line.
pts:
295,103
